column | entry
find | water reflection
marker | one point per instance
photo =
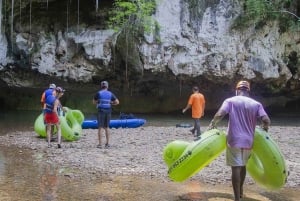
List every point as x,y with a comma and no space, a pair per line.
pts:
11,121
26,179
19,177
23,177
2,166
49,183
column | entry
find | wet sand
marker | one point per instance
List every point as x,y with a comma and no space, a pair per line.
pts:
134,163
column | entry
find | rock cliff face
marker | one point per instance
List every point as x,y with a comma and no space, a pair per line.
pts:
67,42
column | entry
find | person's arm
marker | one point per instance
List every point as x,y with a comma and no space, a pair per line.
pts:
56,105
265,122
43,100
95,99
115,102
60,106
203,106
188,106
217,118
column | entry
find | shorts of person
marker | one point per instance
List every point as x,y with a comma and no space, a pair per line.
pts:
104,116
237,156
51,118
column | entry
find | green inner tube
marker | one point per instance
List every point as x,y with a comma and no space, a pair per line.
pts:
70,124
266,164
186,159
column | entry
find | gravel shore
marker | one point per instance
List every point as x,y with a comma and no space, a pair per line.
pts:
139,152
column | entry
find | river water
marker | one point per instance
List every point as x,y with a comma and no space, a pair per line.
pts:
22,179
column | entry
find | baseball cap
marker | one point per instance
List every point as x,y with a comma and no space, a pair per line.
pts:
243,85
104,84
52,86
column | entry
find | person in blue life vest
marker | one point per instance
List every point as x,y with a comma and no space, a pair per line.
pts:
46,93
51,115
104,99
244,112
50,91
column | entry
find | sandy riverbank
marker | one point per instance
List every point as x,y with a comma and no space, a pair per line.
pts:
139,152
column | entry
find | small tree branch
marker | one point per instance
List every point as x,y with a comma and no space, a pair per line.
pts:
285,11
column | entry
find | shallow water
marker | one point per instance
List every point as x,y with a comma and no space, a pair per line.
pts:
22,177
24,120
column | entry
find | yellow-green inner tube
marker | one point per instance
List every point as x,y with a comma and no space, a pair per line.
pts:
266,164
70,125
186,159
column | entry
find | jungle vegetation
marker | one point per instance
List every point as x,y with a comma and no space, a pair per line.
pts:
259,11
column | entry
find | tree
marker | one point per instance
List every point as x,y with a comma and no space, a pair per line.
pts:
134,17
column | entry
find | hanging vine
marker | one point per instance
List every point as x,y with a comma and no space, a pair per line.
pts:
132,17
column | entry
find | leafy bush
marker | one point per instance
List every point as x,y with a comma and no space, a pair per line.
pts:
258,11
133,14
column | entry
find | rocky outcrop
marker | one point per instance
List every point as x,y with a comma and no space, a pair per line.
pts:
214,49
197,45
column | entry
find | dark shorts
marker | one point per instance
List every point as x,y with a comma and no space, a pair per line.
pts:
104,116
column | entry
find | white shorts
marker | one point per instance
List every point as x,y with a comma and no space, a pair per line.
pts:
237,156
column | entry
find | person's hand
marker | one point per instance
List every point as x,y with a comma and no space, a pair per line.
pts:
183,111
211,126
113,103
265,128
65,109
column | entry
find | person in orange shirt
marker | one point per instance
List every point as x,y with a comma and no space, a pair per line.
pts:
197,103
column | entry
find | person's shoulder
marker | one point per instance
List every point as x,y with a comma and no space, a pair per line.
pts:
231,99
198,95
248,98
110,92
96,94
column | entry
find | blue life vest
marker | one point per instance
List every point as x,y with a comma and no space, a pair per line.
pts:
50,100
104,99
48,92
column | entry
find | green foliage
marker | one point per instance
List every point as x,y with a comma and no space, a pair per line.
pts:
258,11
132,14
133,18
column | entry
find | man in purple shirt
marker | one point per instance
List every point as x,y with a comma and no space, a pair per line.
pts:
243,114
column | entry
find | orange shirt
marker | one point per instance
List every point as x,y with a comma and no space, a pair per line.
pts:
197,103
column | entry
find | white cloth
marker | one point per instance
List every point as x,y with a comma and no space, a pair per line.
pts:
237,156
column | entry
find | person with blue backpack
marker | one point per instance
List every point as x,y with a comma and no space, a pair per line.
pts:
49,91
